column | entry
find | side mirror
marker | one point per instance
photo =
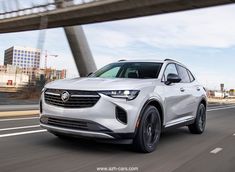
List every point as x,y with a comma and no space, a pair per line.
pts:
89,74
172,78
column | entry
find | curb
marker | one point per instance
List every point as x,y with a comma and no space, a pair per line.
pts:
19,113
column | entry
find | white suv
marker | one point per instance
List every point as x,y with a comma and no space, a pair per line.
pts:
134,100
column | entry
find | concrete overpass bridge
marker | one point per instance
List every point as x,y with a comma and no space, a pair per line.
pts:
93,11
67,13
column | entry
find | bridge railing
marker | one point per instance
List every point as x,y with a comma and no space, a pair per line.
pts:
16,8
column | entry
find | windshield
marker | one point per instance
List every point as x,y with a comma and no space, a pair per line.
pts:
129,70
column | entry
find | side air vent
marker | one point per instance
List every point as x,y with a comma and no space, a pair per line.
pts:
40,106
121,115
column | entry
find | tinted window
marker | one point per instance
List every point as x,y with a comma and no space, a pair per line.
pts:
183,74
171,68
130,70
191,76
112,73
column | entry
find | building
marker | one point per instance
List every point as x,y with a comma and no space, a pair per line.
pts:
12,77
23,57
51,74
22,67
219,94
48,74
232,92
3,68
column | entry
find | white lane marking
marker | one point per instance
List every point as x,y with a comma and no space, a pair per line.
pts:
216,150
22,133
214,109
16,119
222,106
23,127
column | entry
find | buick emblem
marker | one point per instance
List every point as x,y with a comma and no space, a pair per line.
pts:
65,96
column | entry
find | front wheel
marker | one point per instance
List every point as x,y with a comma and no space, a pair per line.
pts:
149,130
199,124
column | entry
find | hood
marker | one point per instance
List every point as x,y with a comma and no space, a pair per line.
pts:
100,83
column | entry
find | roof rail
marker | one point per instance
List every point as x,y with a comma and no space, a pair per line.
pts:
171,60
121,60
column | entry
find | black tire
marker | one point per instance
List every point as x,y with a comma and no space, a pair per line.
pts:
149,131
198,127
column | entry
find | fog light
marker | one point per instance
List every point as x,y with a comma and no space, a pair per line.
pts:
44,120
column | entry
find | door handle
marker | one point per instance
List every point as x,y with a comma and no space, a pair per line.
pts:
182,89
198,89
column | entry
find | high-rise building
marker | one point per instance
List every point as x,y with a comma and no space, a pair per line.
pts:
23,57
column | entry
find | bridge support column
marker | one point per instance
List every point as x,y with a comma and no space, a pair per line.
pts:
80,49
79,46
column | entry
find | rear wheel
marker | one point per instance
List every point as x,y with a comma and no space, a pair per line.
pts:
199,125
149,130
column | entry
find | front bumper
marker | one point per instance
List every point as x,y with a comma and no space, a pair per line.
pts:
81,128
101,118
74,132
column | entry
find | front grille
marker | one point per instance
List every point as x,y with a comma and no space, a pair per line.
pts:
77,99
72,124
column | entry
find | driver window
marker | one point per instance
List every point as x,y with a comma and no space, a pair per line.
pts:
171,68
133,71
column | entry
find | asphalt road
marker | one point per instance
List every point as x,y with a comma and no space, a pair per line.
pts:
19,107
25,147
14,99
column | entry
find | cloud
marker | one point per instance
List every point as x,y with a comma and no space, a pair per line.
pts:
108,38
210,27
205,35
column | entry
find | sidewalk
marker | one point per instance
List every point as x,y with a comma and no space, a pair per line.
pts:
19,113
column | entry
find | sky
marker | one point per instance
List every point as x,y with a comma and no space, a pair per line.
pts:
203,40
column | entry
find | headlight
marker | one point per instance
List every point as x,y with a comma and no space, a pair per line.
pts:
123,94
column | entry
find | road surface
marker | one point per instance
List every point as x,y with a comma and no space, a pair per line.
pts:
7,108
14,99
25,147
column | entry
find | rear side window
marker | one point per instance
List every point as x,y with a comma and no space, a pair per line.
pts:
183,74
191,76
